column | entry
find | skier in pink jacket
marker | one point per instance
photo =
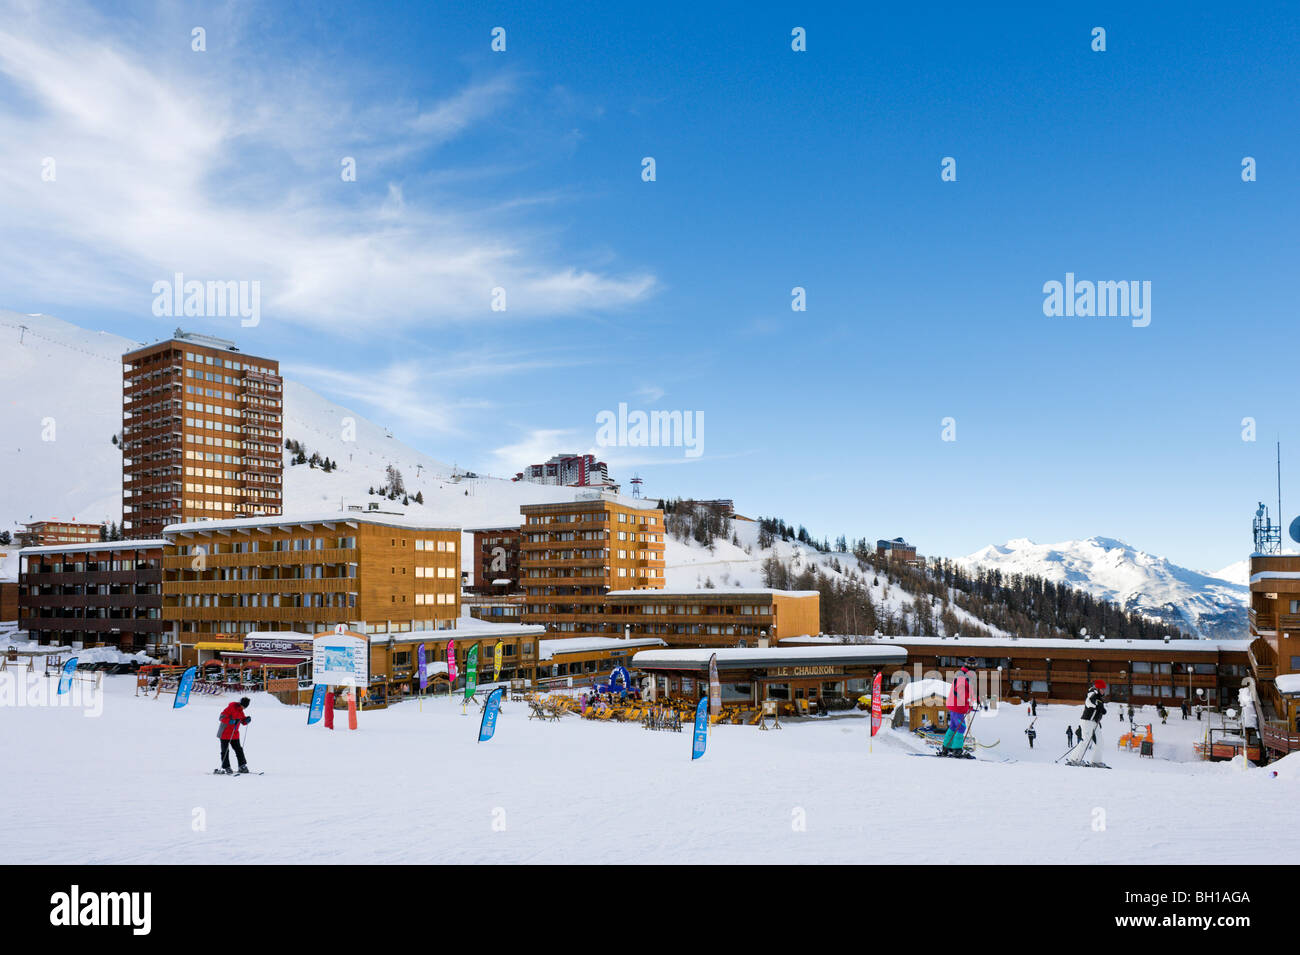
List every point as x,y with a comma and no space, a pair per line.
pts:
961,700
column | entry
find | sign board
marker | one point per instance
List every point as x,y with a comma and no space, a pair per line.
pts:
341,658
276,645
804,671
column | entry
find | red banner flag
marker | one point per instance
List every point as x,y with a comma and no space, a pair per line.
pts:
876,714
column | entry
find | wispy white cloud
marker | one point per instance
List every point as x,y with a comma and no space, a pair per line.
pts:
535,447
421,395
180,163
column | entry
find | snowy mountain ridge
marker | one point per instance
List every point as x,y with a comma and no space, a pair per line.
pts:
1208,605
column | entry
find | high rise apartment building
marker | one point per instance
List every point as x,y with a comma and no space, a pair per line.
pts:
202,434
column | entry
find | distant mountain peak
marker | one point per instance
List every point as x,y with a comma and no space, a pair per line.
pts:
1209,605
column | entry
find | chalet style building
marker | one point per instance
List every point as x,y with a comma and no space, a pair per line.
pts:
50,533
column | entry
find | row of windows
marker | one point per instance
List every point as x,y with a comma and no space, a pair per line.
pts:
217,362
702,609
274,546
398,626
438,545
268,600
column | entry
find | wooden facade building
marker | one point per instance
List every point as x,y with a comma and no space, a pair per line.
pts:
52,533
1141,672
106,593
1274,618
715,617
573,553
377,575
202,434
496,559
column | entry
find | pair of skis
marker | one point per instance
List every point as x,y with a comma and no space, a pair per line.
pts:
227,772
970,719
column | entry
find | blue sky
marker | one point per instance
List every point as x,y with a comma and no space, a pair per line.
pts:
775,169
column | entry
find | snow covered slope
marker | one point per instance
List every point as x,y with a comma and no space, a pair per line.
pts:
860,805
690,565
1238,572
1204,604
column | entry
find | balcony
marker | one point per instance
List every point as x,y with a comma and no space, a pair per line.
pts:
1262,621
1260,658
258,614
95,624
1277,736
549,563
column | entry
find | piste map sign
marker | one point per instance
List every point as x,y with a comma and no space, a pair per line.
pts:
341,658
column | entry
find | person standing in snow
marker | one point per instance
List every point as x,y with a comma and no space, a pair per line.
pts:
1094,708
1029,731
232,717
961,700
1033,707
1069,736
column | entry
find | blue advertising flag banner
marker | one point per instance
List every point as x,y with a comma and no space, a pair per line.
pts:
317,704
424,668
488,725
183,691
65,678
701,735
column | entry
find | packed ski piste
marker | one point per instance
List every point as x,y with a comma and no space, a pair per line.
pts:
473,785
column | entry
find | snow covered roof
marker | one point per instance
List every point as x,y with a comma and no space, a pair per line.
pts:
547,649
923,689
1275,575
747,658
1066,643
492,527
310,517
969,646
1287,682
474,627
716,592
144,544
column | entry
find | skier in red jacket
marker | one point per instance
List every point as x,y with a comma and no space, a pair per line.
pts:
232,717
